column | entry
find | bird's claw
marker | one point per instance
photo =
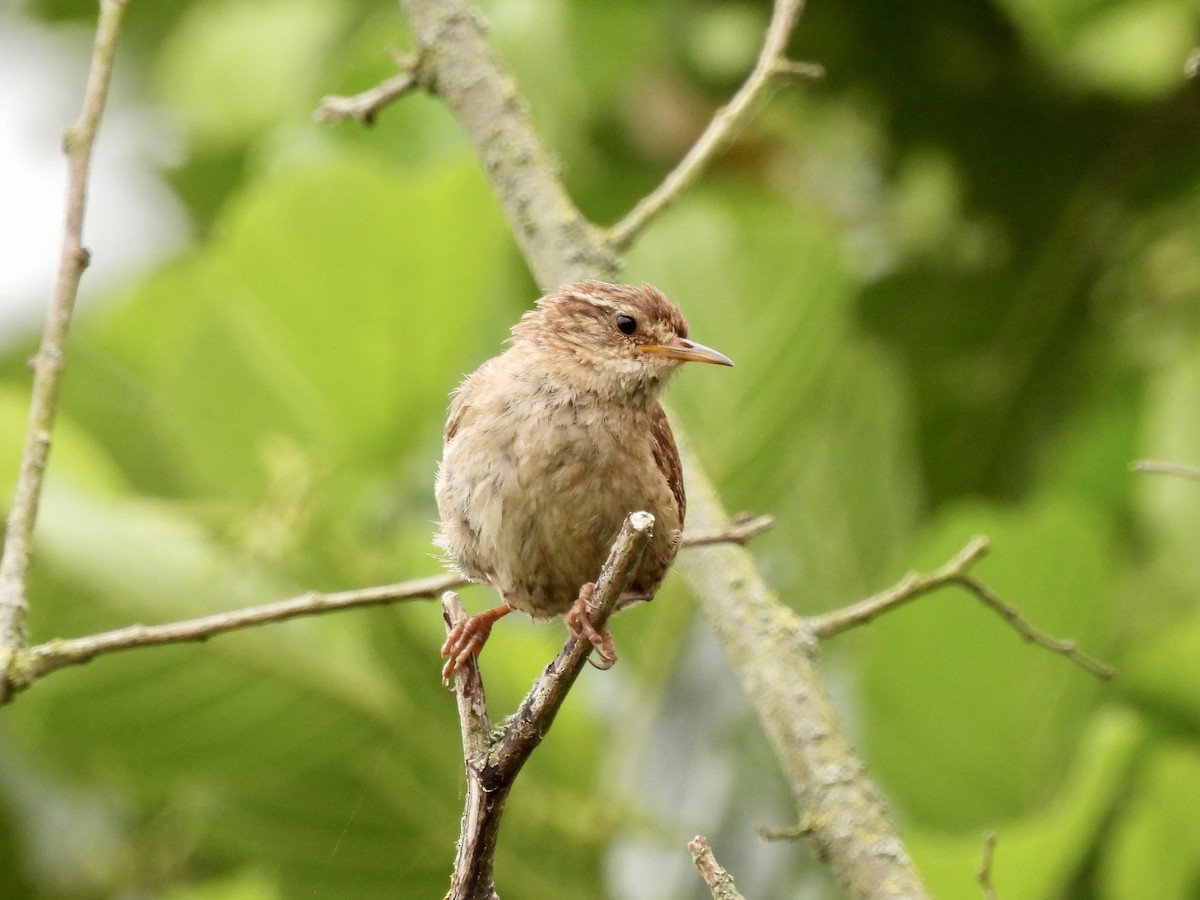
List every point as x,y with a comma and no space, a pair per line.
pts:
468,637
579,623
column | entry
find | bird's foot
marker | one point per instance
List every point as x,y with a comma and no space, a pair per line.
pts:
579,623
468,637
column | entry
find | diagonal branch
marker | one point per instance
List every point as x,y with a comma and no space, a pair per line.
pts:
48,365
1031,632
460,67
719,881
956,571
763,638
364,107
910,587
724,125
493,767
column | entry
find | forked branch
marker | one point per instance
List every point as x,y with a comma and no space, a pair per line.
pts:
493,763
955,571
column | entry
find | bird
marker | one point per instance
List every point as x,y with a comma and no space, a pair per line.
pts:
551,444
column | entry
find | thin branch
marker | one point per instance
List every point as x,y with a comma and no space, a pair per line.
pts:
1161,467
722,128
1032,633
719,881
28,665
984,875
476,729
956,571
491,774
366,106
18,537
472,703
740,530
910,587
38,661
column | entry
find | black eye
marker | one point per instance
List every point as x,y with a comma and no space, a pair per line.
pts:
626,324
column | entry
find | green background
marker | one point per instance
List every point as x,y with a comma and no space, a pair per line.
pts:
961,280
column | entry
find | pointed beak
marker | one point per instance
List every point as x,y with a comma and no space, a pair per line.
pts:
688,351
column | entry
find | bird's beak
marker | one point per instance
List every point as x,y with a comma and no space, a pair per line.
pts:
688,351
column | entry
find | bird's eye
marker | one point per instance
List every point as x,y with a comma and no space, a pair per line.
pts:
626,324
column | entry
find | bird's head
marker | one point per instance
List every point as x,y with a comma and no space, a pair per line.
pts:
617,337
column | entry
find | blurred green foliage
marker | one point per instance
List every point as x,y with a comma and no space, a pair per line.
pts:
961,280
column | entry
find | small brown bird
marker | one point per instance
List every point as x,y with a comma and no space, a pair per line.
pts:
551,444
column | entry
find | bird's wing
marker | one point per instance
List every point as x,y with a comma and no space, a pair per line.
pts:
666,456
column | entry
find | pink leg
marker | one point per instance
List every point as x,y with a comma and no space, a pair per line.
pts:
579,623
468,637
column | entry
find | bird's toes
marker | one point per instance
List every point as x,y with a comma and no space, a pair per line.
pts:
579,623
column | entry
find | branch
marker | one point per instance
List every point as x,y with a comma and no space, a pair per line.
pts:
1032,633
493,767
740,530
724,125
984,875
910,587
956,571
765,640
773,653
366,106
18,537
1160,467
719,881
27,666
461,68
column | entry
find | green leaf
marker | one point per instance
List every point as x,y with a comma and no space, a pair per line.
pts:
1162,672
331,310
1134,48
233,67
75,453
325,749
1154,850
1037,855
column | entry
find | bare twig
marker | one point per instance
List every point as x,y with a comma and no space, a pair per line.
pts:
1161,467
365,107
18,537
723,127
739,531
28,665
719,881
956,571
492,769
1032,633
985,866
910,587
42,659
